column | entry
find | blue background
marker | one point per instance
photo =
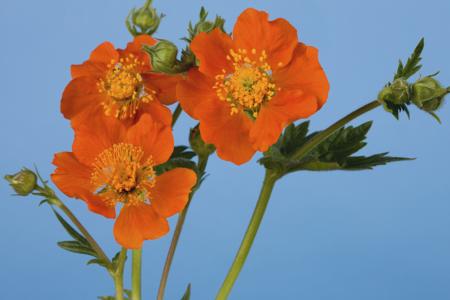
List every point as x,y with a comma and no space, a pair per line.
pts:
382,234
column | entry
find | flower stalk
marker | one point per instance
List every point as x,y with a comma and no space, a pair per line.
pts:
136,269
247,242
202,163
266,191
118,274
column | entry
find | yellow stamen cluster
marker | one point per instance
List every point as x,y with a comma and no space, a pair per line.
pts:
120,174
124,86
250,85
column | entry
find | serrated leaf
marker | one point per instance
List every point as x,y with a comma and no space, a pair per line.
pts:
334,153
182,152
77,247
187,294
412,65
176,163
70,230
369,162
342,143
97,261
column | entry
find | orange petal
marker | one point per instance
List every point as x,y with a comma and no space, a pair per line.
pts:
157,111
171,192
194,92
104,53
164,85
304,73
96,136
73,179
283,109
229,133
212,49
278,38
138,42
79,94
88,68
137,223
155,138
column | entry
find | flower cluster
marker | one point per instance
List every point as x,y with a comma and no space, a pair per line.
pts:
245,90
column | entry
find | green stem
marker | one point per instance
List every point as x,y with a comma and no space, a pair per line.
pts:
136,268
266,190
83,231
118,274
202,162
320,137
246,244
176,114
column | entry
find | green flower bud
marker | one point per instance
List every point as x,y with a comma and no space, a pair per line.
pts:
428,94
23,182
204,25
396,93
163,57
198,145
144,20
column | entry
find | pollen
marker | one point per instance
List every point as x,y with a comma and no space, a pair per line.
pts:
249,86
124,87
121,174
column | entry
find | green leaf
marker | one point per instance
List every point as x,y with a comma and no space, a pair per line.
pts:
182,152
70,230
98,261
187,294
334,153
77,247
412,65
176,163
367,163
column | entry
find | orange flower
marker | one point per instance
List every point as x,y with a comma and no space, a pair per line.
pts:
111,164
250,86
117,83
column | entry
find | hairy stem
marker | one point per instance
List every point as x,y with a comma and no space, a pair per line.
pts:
176,114
118,274
266,191
83,231
136,268
323,135
247,242
202,162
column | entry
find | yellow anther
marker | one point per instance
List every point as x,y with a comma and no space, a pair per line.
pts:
249,86
124,86
121,175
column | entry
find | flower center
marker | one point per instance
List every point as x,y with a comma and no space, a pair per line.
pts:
120,174
250,85
124,86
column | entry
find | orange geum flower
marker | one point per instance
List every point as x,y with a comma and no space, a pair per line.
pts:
250,86
118,83
112,164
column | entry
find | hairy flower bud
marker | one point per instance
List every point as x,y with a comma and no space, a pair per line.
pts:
23,182
144,20
428,94
163,56
396,93
204,25
197,143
